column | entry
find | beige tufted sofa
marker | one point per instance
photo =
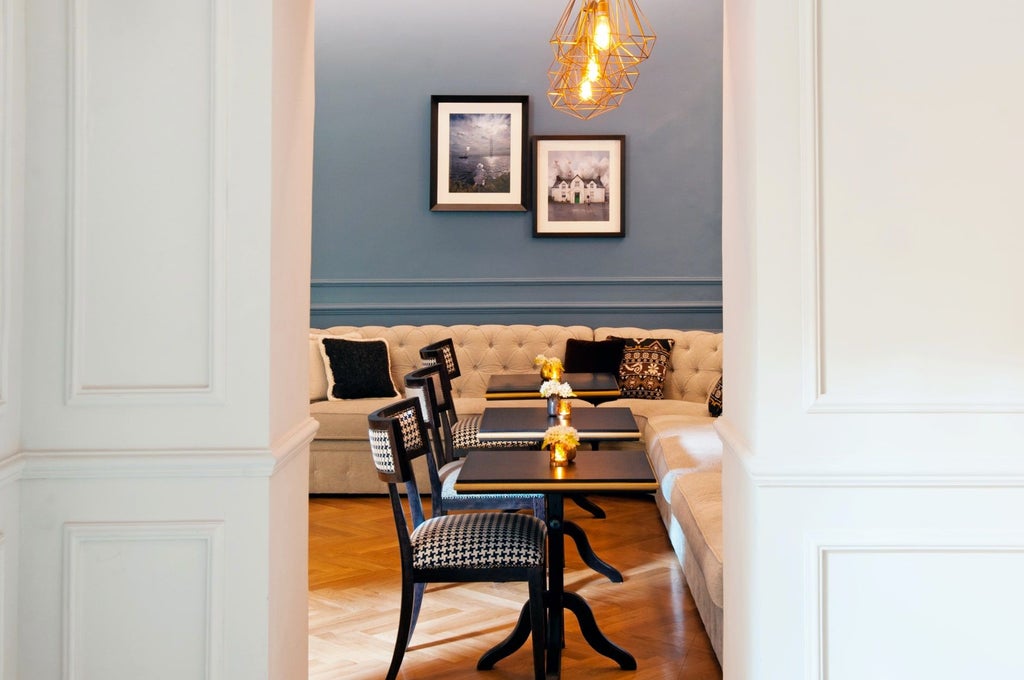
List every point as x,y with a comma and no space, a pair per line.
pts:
678,432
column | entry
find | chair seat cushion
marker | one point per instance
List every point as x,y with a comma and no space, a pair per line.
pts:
466,435
479,540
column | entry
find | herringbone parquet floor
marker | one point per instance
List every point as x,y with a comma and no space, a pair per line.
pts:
354,581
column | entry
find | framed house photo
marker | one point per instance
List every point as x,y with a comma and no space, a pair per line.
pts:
478,152
579,185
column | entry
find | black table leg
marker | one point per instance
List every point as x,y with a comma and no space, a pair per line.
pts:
588,505
590,558
593,635
556,583
516,639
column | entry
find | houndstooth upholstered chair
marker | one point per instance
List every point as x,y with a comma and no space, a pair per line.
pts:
461,548
460,434
430,385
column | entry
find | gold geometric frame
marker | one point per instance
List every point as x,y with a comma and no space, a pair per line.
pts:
596,54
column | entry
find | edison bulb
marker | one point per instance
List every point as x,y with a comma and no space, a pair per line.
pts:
602,33
586,92
593,70
602,26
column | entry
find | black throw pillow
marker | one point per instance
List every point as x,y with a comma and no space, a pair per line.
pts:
357,369
593,356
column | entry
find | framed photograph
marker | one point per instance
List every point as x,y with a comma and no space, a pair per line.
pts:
579,185
478,151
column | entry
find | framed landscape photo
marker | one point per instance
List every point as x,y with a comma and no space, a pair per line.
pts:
579,185
478,151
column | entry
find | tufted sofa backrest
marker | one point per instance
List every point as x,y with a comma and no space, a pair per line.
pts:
488,349
482,350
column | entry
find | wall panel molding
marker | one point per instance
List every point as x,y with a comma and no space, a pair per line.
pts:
103,583
7,198
821,586
810,198
82,303
815,379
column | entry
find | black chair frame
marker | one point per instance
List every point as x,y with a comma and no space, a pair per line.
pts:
398,436
430,384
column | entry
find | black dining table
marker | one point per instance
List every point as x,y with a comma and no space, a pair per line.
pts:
593,387
489,471
594,425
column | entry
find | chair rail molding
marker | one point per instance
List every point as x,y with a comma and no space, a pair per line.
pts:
163,463
435,300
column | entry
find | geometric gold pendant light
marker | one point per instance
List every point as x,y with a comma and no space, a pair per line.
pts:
597,51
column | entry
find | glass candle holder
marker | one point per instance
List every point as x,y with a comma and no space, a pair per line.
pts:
564,408
562,455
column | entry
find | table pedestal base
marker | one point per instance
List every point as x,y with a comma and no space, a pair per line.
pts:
557,600
588,626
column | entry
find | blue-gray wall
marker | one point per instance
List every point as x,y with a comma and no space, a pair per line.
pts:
381,256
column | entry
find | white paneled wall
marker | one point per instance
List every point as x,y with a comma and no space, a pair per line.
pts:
876,403
140,114
156,433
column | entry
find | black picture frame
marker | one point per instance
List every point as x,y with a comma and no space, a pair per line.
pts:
579,186
479,153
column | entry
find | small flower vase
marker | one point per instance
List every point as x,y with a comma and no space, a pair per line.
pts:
562,455
553,405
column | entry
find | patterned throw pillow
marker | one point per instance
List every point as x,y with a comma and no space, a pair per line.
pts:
644,365
357,369
715,399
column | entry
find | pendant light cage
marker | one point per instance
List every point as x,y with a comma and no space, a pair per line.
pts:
572,92
597,48
630,36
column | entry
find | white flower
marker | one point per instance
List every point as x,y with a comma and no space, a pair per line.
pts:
561,434
552,387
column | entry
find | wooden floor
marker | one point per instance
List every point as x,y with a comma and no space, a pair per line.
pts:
354,597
